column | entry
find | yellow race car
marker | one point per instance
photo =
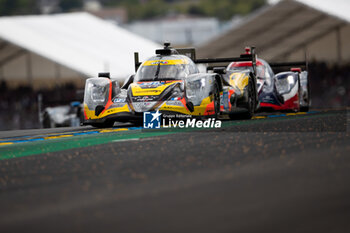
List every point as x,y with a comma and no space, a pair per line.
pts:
170,83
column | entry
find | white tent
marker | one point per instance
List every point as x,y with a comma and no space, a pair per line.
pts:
50,49
289,30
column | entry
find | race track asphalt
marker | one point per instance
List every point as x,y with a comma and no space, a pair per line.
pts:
278,174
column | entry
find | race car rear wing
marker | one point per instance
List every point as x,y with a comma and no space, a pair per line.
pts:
191,53
293,65
249,56
284,64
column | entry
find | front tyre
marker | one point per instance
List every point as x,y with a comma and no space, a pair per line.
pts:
47,123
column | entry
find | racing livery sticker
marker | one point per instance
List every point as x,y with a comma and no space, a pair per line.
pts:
165,62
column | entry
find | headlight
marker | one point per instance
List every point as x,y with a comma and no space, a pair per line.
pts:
290,80
96,92
285,84
194,87
196,84
282,85
197,90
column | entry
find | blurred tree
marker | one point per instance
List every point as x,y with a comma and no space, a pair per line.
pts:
67,5
143,9
18,7
222,9
146,9
195,10
226,9
7,7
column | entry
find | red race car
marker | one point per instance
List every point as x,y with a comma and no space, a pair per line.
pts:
284,91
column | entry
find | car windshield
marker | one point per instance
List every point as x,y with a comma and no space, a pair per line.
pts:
163,69
259,69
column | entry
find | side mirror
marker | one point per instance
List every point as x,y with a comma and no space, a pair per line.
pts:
219,70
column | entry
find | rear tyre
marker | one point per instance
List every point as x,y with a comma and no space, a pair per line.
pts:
251,103
304,109
307,107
